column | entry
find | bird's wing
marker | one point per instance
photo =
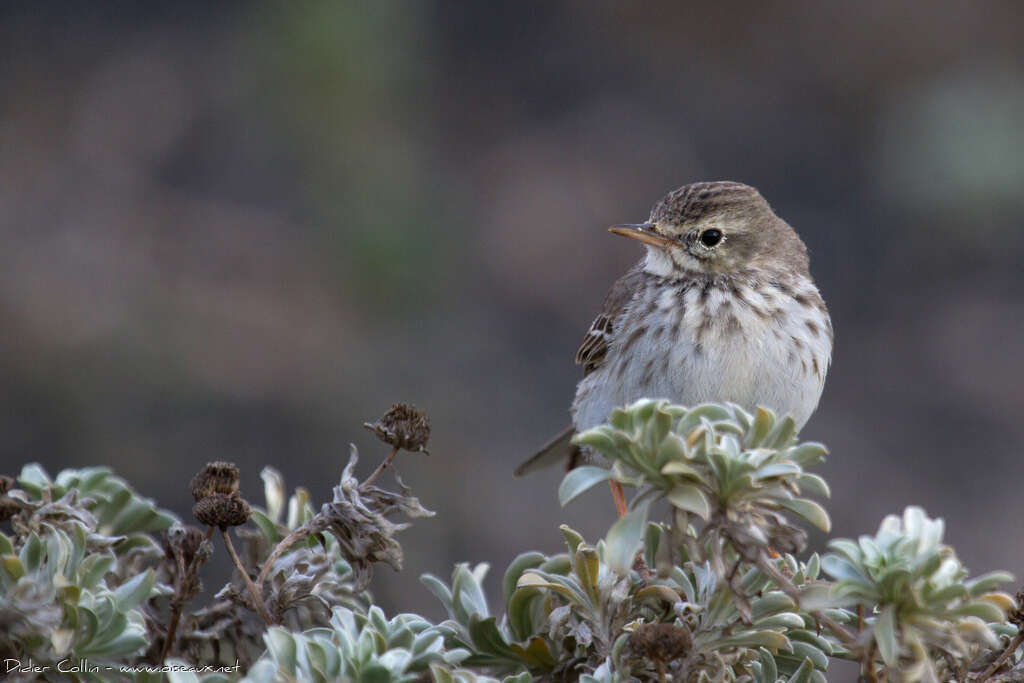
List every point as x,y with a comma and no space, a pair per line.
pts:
590,354
595,344
559,449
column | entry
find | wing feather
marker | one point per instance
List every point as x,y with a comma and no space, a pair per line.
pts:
595,344
590,355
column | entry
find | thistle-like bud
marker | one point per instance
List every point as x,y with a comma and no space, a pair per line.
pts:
215,477
184,541
661,642
218,501
403,427
221,510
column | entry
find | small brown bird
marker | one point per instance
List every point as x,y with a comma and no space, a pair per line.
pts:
722,308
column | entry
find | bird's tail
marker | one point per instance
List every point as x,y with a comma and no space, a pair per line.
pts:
559,449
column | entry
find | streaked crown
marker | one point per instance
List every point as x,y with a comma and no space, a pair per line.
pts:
691,203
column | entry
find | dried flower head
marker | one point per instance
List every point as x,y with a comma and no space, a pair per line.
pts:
182,541
8,506
403,427
221,510
1016,615
215,477
358,518
661,642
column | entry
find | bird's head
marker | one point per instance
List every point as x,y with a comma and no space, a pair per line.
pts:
718,228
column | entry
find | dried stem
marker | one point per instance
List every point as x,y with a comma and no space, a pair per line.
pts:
287,542
381,467
1007,653
257,595
178,601
867,664
301,532
177,604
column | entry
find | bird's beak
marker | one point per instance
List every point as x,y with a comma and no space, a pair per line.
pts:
644,232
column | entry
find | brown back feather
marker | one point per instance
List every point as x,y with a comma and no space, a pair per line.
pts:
595,344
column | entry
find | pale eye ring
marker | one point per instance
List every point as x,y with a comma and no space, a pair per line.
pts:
711,237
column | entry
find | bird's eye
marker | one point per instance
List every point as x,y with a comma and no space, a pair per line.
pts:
711,237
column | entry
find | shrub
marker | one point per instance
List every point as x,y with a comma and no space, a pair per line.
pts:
704,579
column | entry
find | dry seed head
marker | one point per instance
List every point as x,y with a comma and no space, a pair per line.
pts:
403,427
184,541
221,510
215,477
661,642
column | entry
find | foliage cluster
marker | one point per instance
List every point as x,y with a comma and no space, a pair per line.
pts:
704,579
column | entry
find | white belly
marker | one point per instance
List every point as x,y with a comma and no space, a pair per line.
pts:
722,351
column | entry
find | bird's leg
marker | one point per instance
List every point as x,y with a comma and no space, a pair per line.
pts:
619,496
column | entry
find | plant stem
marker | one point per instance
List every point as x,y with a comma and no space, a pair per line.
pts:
1007,653
287,542
176,606
257,596
380,468
172,629
867,664
178,601
841,632
619,496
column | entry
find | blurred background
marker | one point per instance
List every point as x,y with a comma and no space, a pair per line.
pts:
239,230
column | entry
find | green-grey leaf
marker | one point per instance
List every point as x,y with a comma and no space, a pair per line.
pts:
520,611
529,560
987,582
885,635
32,553
807,454
782,434
579,480
809,510
623,541
811,652
985,611
770,670
690,498
266,526
439,589
93,569
132,592
771,603
803,674
374,673
126,643
573,538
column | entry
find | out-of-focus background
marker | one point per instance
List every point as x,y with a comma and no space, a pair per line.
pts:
239,230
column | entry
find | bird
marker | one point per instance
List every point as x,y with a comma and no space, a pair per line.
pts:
721,308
